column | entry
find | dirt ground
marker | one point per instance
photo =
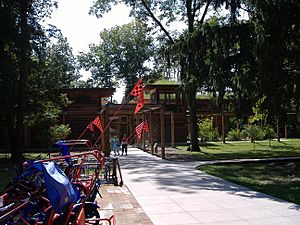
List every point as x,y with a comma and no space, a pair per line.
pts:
175,154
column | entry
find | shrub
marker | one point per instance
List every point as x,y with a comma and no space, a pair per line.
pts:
234,135
207,132
244,134
254,132
269,132
59,132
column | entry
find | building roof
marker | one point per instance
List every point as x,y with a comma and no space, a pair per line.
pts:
103,92
161,87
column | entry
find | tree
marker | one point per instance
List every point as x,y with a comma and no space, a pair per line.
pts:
61,65
277,30
21,34
56,70
23,41
124,53
163,12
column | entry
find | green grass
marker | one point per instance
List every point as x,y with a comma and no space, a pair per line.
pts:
8,168
242,150
279,179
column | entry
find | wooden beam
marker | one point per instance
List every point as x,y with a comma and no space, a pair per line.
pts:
151,132
172,130
223,128
162,132
143,141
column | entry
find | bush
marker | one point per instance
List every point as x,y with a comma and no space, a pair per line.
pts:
244,134
254,132
269,133
207,132
59,132
234,135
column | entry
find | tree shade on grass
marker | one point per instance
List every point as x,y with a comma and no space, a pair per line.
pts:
244,150
278,179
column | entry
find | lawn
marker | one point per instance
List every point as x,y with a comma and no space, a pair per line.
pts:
236,150
279,179
8,168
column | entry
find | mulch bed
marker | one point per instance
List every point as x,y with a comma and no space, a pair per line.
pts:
175,154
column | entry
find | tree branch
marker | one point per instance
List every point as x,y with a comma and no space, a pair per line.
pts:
190,15
247,10
157,21
205,11
196,7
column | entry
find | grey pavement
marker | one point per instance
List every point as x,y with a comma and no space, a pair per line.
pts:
175,193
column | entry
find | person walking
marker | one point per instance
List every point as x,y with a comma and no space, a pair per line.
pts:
116,145
124,143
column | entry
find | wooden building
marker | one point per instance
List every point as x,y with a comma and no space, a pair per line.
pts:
86,103
165,110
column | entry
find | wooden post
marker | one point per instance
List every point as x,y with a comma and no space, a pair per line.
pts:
277,131
172,130
143,140
238,124
223,127
162,132
151,132
285,131
131,121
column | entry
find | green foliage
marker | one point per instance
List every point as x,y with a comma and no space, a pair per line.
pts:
207,132
61,69
59,132
244,134
269,132
277,31
123,54
260,114
234,135
23,40
254,132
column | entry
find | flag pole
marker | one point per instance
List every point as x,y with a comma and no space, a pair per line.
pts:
132,138
135,93
110,121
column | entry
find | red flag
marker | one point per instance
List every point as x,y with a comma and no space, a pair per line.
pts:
90,126
139,105
97,123
146,126
139,130
137,91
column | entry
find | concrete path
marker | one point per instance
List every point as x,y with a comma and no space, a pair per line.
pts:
174,193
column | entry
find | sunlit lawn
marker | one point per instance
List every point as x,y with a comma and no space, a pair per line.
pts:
279,179
234,150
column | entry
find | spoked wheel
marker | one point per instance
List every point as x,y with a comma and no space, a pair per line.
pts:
91,212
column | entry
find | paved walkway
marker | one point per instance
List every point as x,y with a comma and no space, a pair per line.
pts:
119,201
174,193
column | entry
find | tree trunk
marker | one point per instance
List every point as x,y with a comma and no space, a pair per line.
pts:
191,98
24,59
16,155
277,130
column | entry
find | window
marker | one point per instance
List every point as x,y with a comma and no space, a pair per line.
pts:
167,98
162,98
172,98
153,98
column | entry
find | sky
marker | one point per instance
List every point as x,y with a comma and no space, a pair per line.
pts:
82,29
